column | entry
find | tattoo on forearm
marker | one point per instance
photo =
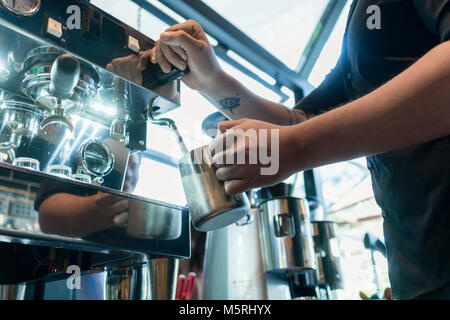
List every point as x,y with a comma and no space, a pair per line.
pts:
230,103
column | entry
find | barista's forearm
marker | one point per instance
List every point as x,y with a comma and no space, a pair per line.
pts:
410,109
237,102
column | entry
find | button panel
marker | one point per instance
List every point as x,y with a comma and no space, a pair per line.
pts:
54,28
133,44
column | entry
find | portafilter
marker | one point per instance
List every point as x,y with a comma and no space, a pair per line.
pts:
58,83
64,77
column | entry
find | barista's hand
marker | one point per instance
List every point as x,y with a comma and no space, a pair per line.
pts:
186,44
268,151
127,67
111,208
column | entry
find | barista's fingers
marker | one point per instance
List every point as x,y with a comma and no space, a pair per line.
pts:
236,186
220,160
236,154
182,39
162,61
175,48
223,141
119,207
172,57
121,220
153,56
180,52
217,145
226,125
228,173
144,57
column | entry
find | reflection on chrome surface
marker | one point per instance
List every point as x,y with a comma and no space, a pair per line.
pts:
64,118
63,112
73,127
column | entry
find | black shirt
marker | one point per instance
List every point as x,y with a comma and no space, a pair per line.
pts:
412,186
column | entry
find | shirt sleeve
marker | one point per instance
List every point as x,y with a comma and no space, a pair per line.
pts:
435,14
330,94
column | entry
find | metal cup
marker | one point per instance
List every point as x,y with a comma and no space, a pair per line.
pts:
286,235
149,221
12,292
163,273
209,205
128,280
142,279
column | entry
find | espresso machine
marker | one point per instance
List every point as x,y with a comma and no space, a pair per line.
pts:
67,119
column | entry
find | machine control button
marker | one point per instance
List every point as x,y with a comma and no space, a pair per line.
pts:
54,28
133,44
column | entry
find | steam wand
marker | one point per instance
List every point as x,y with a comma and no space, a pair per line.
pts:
168,123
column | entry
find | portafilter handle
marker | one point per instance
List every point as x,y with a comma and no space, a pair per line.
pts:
153,77
65,75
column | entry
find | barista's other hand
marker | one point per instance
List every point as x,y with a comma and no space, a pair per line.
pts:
257,154
182,45
127,67
112,208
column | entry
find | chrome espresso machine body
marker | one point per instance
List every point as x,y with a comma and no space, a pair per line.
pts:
65,119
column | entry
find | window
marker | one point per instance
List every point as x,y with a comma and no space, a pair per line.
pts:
332,50
161,182
283,27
